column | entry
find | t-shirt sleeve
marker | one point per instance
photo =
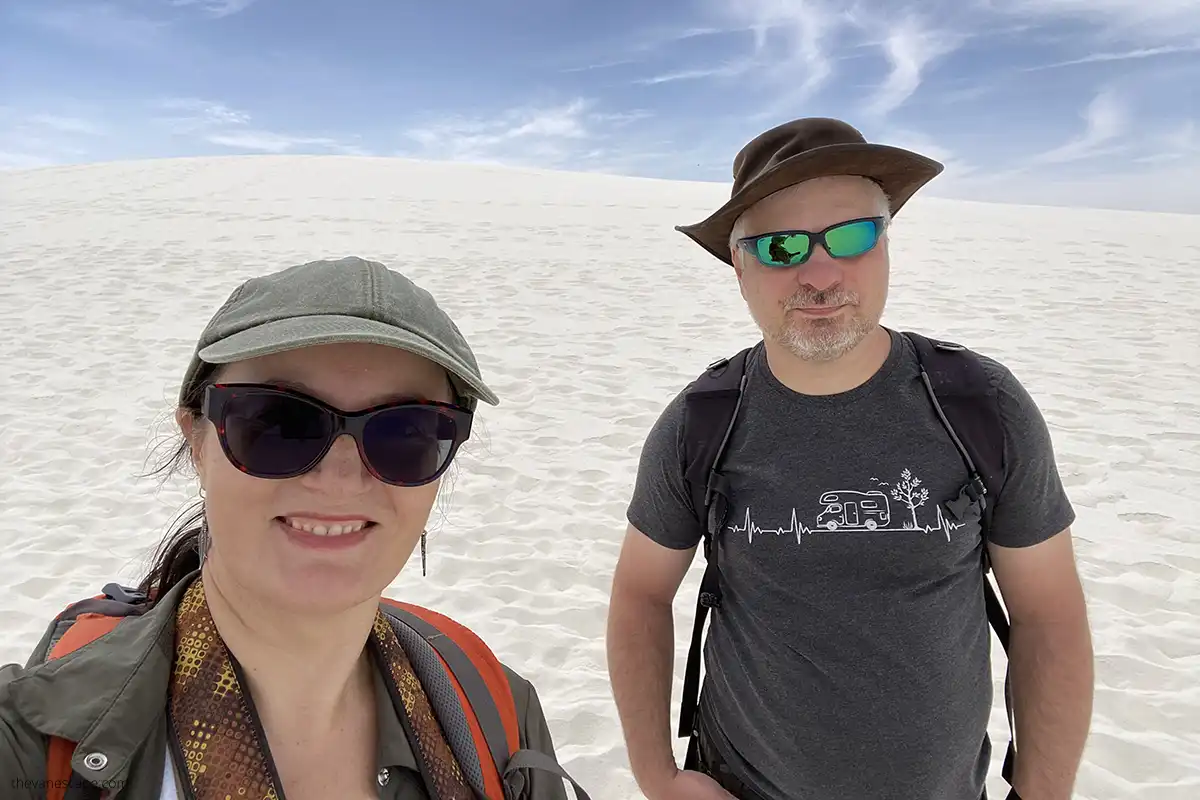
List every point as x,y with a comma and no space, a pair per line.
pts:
1032,504
661,505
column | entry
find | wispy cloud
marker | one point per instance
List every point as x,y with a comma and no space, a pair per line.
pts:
698,32
653,42
1184,140
804,29
574,134
190,115
61,124
215,8
1106,118
218,124
793,48
1128,20
964,93
270,142
788,47
730,70
639,47
37,139
1179,144
519,135
617,62
620,118
1173,186
910,46
1126,55
957,167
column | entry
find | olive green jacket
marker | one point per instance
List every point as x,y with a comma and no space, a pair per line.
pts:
110,697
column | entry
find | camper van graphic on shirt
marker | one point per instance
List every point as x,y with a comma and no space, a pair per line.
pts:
854,510
890,508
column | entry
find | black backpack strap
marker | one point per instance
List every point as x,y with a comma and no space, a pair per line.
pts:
711,405
965,401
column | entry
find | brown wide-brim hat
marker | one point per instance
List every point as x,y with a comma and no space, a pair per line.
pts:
814,147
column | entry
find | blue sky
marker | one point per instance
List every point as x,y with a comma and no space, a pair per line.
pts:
1092,102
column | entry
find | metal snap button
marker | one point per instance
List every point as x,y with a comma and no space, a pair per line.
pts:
384,776
95,761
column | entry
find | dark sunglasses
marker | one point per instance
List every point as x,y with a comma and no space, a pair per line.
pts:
788,248
272,432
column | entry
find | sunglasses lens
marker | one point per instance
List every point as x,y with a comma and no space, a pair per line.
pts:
273,435
409,445
782,250
852,239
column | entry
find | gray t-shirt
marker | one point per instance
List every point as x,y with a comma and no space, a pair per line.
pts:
849,658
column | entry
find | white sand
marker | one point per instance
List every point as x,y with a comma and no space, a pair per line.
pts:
109,272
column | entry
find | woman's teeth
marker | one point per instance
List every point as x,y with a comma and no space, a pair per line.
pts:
324,529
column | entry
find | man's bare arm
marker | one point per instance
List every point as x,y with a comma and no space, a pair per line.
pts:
641,651
1051,664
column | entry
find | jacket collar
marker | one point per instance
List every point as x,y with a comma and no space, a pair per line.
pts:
109,695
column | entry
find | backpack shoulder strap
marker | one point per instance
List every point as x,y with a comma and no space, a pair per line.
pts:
967,404
76,626
535,759
484,697
479,683
711,405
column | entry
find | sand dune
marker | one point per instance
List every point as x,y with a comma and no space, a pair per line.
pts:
588,312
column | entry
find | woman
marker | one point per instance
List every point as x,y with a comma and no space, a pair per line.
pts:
257,659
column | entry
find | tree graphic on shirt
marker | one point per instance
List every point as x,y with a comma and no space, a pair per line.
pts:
910,492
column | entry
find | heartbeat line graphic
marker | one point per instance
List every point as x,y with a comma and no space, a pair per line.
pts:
795,528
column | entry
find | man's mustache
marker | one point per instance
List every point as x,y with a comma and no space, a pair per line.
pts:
825,297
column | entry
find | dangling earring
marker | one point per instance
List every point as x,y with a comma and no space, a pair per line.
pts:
422,553
202,541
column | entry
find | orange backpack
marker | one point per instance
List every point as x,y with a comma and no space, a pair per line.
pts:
480,684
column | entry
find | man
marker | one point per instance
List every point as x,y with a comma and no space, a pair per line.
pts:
848,658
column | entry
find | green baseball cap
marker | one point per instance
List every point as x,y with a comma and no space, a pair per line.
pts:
323,302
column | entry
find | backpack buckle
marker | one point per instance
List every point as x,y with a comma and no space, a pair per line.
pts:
971,494
976,489
122,594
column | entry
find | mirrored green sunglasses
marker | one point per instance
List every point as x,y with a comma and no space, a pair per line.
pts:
789,248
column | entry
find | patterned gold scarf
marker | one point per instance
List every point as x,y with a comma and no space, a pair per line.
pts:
220,737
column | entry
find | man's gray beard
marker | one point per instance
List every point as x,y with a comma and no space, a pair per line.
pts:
822,339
